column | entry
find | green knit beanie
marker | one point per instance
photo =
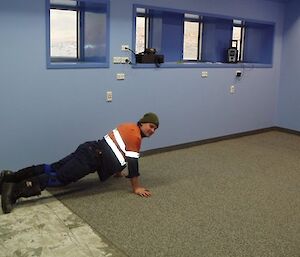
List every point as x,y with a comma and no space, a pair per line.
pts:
150,117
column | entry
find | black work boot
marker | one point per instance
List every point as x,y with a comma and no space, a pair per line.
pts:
3,173
25,173
11,192
7,198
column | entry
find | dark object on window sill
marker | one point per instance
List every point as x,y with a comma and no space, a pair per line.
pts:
149,56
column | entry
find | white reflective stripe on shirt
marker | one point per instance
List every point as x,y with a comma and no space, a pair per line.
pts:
132,154
119,140
122,145
115,149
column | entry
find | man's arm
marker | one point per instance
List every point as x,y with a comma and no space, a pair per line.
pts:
137,189
133,175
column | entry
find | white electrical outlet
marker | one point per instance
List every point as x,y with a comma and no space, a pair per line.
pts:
124,47
120,60
232,89
204,74
108,96
116,60
124,60
120,76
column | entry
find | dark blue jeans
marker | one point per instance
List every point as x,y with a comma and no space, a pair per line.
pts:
86,159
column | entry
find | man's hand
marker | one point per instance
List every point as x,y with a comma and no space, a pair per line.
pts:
143,192
137,189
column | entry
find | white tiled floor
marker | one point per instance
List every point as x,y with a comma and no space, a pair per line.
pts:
46,228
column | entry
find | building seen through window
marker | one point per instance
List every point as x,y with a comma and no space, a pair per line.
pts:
192,38
63,33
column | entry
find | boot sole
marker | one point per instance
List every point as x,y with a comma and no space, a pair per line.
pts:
6,198
3,173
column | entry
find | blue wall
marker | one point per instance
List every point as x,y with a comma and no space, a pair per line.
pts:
45,114
289,93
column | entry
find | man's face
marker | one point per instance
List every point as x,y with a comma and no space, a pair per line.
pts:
148,129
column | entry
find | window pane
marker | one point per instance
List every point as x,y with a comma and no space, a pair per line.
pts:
95,37
236,39
236,33
140,34
63,33
190,41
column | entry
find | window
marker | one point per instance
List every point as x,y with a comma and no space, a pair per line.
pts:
192,38
238,31
142,30
198,39
77,33
63,34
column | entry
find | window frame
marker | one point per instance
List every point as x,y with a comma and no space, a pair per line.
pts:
79,61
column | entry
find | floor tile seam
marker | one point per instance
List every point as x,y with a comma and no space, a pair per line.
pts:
109,244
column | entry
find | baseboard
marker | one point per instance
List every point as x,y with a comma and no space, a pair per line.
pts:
286,130
216,139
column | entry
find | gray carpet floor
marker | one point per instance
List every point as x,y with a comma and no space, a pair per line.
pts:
238,197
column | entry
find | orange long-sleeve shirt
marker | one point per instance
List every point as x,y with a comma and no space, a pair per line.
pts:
123,144
131,135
